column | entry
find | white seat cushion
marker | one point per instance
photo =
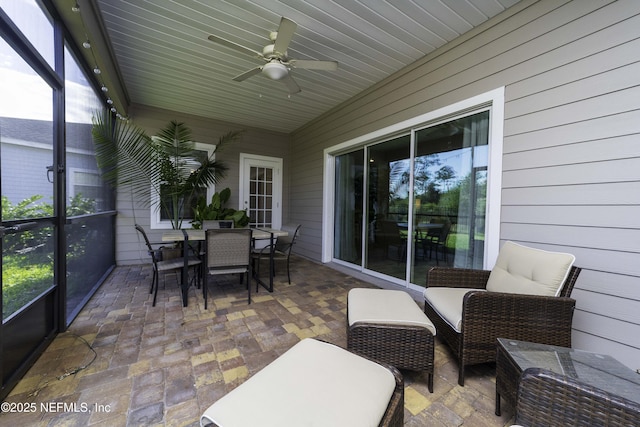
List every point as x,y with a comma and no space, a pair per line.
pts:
313,384
386,307
523,270
447,302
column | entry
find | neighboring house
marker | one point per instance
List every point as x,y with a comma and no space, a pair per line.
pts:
26,145
569,162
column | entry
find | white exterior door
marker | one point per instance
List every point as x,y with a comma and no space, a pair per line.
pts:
261,190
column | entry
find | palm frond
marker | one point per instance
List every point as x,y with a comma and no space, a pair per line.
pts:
164,164
124,154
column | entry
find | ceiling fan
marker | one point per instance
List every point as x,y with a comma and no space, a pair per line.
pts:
278,64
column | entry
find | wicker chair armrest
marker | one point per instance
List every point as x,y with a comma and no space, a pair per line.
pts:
535,318
457,278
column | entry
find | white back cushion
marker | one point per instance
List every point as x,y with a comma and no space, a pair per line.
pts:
523,270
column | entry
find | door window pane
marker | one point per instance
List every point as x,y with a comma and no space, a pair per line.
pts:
260,196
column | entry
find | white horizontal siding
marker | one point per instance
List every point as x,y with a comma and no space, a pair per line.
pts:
586,195
591,302
571,164
604,345
572,174
606,327
611,148
622,217
622,240
602,282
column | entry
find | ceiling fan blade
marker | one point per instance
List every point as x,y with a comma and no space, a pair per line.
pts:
314,65
247,74
291,84
285,34
235,46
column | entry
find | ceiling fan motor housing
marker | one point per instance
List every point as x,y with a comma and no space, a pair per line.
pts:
269,53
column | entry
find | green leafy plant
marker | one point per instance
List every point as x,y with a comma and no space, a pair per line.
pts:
217,210
163,165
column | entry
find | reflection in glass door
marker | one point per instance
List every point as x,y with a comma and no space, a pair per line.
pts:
389,170
349,181
450,191
409,214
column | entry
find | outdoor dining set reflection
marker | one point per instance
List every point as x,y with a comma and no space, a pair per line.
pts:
197,256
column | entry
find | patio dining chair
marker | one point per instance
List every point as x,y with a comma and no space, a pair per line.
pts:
435,239
162,265
281,250
228,251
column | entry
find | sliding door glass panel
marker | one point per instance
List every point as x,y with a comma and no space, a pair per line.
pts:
349,202
450,181
387,222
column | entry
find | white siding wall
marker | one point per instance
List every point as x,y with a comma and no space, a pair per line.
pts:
129,247
571,164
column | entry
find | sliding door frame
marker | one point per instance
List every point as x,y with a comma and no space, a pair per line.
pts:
493,101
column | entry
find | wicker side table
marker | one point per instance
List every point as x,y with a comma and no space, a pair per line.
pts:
595,371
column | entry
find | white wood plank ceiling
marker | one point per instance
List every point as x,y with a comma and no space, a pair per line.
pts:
166,60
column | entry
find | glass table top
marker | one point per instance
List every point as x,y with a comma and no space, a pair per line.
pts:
598,370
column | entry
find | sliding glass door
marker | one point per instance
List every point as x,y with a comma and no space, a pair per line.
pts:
389,170
349,203
407,203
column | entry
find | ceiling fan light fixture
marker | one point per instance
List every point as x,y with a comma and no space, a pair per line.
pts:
275,70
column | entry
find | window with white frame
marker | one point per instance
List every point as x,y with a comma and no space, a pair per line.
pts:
160,219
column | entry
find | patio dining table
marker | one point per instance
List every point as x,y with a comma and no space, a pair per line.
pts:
192,235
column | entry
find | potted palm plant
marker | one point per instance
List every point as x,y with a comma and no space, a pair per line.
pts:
164,166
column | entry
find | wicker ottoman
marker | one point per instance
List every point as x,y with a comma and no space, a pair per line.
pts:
388,326
314,383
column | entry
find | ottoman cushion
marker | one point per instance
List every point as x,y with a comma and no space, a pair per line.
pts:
386,307
312,384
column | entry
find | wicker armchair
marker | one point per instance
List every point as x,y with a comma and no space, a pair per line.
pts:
546,398
487,316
